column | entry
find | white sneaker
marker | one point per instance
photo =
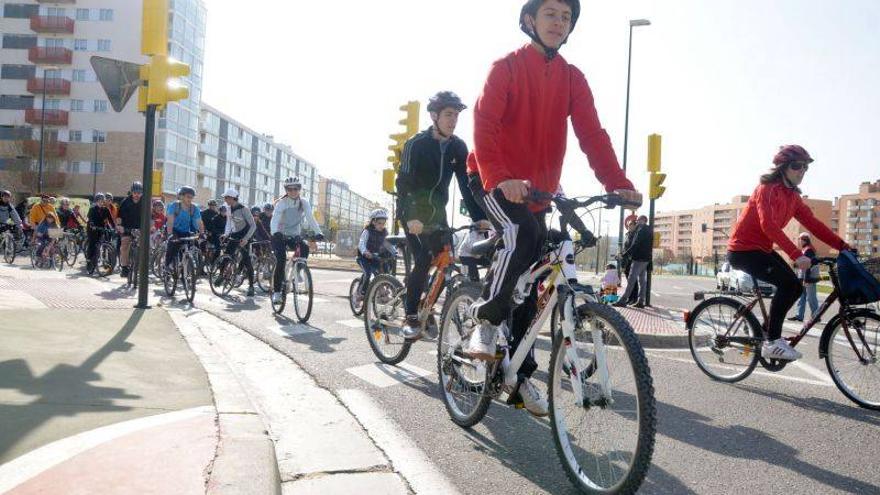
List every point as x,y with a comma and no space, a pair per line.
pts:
276,297
481,344
779,349
533,400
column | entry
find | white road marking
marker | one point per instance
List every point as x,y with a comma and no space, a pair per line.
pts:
756,372
318,300
21,469
384,375
355,323
810,370
292,330
408,460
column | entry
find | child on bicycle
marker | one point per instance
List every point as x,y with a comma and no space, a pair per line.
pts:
41,236
372,246
771,206
99,218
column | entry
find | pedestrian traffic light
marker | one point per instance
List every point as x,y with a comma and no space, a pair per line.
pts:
161,74
411,121
654,145
388,178
656,189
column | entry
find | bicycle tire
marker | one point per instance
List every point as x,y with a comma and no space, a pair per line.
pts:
9,250
831,361
697,342
106,260
449,344
386,286
302,298
216,279
613,324
263,273
169,278
58,257
190,277
357,309
132,270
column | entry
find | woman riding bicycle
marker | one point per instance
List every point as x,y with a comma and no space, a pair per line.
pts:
772,205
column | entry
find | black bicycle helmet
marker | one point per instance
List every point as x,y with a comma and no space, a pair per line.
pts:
213,202
443,100
186,190
255,210
137,187
268,207
100,197
531,8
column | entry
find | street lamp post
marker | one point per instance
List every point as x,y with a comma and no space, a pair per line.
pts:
42,137
632,24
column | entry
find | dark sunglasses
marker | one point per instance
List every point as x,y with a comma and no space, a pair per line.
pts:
294,188
799,165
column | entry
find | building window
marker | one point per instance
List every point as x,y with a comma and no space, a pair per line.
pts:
80,45
106,14
55,12
21,72
100,106
79,75
19,41
76,106
103,45
75,136
99,136
52,104
54,42
82,14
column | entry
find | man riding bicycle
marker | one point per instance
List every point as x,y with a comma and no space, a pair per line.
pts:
68,218
240,228
287,225
8,212
775,201
520,130
429,160
215,224
129,219
183,220
99,218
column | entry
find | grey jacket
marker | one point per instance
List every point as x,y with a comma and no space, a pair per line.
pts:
240,223
7,212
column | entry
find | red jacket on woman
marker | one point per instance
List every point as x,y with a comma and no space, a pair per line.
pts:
521,123
769,210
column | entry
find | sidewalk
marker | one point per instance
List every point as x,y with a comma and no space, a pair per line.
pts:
99,398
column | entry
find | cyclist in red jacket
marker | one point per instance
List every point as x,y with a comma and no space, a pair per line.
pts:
772,205
520,130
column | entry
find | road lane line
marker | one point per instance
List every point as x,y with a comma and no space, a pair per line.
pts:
407,459
756,372
810,370
385,375
354,323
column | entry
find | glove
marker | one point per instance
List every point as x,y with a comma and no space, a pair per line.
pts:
589,240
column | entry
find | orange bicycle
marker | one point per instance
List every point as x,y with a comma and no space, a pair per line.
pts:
384,311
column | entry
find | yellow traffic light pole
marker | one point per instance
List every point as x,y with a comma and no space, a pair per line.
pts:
655,190
154,95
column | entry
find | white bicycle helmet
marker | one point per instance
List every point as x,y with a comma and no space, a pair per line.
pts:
231,193
378,213
292,182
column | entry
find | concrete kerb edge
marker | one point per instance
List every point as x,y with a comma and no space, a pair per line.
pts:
244,447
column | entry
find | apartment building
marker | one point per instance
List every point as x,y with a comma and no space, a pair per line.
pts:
342,208
47,85
856,218
681,231
233,155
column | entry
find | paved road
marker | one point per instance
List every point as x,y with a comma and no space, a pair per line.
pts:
791,432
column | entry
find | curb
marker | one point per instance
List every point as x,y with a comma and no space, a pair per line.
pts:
245,460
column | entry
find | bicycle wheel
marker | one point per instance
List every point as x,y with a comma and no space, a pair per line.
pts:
858,379
169,278
189,276
58,257
303,293
383,319
263,272
8,249
355,298
605,443
463,381
71,251
218,279
106,259
278,307
725,347
157,263
133,270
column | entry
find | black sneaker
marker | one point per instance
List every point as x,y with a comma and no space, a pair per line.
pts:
124,272
250,292
795,318
639,305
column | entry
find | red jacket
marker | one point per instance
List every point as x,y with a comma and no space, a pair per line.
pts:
770,209
521,123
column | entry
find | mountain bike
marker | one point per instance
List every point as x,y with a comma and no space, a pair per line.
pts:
601,395
228,271
133,254
725,339
7,243
384,311
73,240
52,256
104,261
357,290
297,282
183,268
264,264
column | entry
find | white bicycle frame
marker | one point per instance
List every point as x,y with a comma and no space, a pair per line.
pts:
548,296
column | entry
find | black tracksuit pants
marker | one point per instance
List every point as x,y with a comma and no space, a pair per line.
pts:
771,268
524,233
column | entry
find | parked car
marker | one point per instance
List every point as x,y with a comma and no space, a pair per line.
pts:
729,278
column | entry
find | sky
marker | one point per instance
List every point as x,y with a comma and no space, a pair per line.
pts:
725,82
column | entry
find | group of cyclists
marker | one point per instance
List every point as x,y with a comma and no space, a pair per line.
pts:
520,135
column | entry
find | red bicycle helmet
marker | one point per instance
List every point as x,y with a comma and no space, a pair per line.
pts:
791,153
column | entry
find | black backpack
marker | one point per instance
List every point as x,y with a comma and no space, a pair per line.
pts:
859,283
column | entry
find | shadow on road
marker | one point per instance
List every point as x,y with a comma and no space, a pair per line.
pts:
818,404
65,390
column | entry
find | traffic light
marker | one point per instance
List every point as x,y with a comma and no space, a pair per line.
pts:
161,74
154,34
656,240
656,188
654,145
396,149
411,121
388,177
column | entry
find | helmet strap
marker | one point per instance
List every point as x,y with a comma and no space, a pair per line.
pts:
549,53
437,127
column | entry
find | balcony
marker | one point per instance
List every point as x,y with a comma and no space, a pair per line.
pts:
54,24
52,148
51,86
53,117
50,55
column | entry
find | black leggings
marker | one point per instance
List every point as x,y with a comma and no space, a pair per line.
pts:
422,248
771,268
280,244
